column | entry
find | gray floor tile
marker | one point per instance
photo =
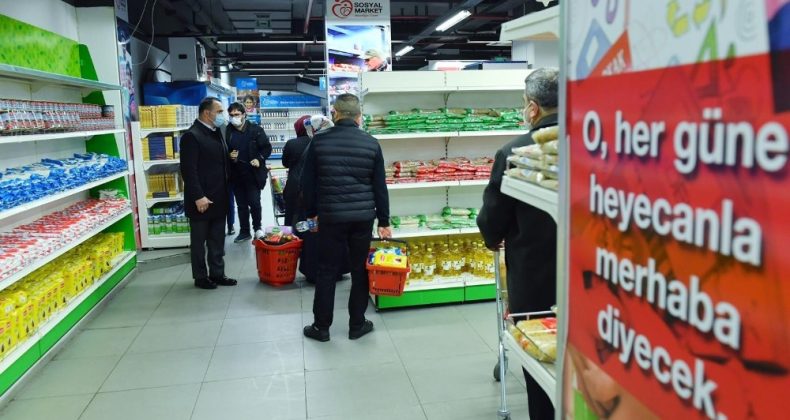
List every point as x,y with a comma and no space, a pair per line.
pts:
409,318
176,336
373,349
438,341
477,408
99,342
257,329
123,313
263,300
277,397
400,413
61,408
256,359
165,403
360,389
69,377
148,370
191,309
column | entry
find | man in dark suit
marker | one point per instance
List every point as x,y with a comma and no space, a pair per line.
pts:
530,234
204,168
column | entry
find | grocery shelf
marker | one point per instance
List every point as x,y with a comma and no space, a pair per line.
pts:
479,281
57,136
401,136
32,76
54,197
276,156
151,201
343,74
147,164
491,133
433,285
407,89
420,232
56,318
173,240
417,185
545,374
13,278
473,183
144,132
538,26
534,195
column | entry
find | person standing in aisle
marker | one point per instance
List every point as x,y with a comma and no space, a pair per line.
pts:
529,234
344,190
204,168
249,147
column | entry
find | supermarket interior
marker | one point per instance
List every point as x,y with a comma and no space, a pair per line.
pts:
517,268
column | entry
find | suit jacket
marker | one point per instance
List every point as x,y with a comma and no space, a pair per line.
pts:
204,168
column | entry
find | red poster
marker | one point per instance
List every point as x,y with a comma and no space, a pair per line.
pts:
678,305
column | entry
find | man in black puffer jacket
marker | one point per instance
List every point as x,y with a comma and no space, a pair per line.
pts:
345,188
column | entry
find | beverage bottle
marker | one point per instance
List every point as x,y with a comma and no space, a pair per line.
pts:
150,225
415,261
457,259
444,261
157,226
428,265
305,225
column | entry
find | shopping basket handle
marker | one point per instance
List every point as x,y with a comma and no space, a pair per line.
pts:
399,241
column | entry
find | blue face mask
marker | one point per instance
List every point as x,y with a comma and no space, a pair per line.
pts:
219,120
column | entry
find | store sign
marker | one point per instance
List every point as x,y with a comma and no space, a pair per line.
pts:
290,101
677,119
248,95
357,40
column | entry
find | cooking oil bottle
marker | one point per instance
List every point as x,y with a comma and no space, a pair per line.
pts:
457,258
428,264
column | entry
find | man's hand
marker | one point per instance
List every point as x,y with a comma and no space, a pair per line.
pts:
234,155
202,204
498,247
314,219
385,232
255,163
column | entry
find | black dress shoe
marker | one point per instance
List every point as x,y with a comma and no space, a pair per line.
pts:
223,281
231,231
311,331
205,284
355,333
243,237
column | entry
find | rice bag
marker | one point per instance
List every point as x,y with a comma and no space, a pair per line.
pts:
551,147
545,135
532,151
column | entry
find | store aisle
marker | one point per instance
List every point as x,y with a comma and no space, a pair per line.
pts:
163,349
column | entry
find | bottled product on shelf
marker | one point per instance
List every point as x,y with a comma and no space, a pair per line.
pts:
27,304
167,116
442,260
24,245
19,117
28,183
445,169
538,163
445,119
167,219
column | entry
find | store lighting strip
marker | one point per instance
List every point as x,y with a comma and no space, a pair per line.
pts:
281,62
405,50
297,41
453,20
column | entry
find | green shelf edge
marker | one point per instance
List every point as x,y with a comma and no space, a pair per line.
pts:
480,292
9,377
422,297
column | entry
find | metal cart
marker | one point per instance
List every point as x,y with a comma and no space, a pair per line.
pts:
500,370
277,178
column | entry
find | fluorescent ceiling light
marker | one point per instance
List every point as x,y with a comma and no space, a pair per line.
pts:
452,21
282,69
272,42
280,62
405,50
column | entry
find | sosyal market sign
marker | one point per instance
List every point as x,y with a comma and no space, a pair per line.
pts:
353,10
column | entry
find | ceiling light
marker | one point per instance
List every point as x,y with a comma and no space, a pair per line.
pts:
273,42
280,62
278,69
452,21
405,50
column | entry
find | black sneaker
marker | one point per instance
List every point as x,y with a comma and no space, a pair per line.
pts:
354,333
224,281
243,237
205,284
311,331
231,231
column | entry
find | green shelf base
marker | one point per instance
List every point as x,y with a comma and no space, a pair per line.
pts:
422,297
39,349
481,292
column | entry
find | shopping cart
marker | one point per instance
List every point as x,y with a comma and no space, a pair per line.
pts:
500,369
277,178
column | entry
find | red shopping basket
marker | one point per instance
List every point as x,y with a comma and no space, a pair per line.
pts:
387,281
277,263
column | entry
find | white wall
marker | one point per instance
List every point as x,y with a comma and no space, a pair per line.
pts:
53,15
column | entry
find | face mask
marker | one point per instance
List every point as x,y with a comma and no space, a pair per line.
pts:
219,120
237,121
527,122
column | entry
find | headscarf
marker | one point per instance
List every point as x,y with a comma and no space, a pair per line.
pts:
299,126
318,123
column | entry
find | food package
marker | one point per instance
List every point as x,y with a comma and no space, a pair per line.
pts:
533,151
551,159
408,221
551,147
458,211
545,135
551,184
526,175
538,337
525,162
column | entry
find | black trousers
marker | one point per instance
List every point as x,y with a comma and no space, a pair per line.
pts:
231,209
207,234
333,240
540,407
248,200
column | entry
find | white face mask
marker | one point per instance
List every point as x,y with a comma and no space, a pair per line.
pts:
237,121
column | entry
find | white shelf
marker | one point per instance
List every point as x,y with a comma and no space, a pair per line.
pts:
479,281
406,89
342,74
13,278
420,232
151,201
32,76
534,195
538,26
57,136
147,164
144,132
173,240
437,184
544,374
492,133
56,318
450,134
419,285
51,198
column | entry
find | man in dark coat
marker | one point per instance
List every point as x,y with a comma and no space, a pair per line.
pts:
345,189
529,234
204,168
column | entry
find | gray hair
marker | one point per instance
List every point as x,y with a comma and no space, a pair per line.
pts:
347,106
542,86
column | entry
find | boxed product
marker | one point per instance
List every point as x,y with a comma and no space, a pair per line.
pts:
538,337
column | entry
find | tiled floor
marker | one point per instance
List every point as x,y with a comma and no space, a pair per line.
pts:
165,350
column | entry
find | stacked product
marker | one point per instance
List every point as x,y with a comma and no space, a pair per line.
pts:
163,185
438,260
445,119
29,303
538,337
161,146
453,169
538,163
28,183
19,117
449,218
344,67
167,218
167,116
25,244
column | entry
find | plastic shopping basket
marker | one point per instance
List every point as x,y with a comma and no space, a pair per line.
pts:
277,263
387,281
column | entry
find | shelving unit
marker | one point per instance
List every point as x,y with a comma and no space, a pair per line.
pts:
534,195
141,169
545,374
385,91
58,136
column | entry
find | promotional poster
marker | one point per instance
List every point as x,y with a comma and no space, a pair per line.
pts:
677,122
248,95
